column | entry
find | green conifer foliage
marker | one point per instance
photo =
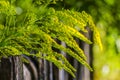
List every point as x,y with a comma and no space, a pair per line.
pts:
38,28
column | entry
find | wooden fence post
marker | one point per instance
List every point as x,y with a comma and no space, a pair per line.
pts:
11,68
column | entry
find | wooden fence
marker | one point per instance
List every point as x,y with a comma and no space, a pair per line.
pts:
13,68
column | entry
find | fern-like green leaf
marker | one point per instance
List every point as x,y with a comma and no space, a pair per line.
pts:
39,27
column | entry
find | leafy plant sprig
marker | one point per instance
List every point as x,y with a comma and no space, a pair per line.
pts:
38,31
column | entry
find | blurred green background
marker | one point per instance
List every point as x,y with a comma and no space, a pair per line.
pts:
106,15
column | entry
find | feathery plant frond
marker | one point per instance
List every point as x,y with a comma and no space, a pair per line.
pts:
38,31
